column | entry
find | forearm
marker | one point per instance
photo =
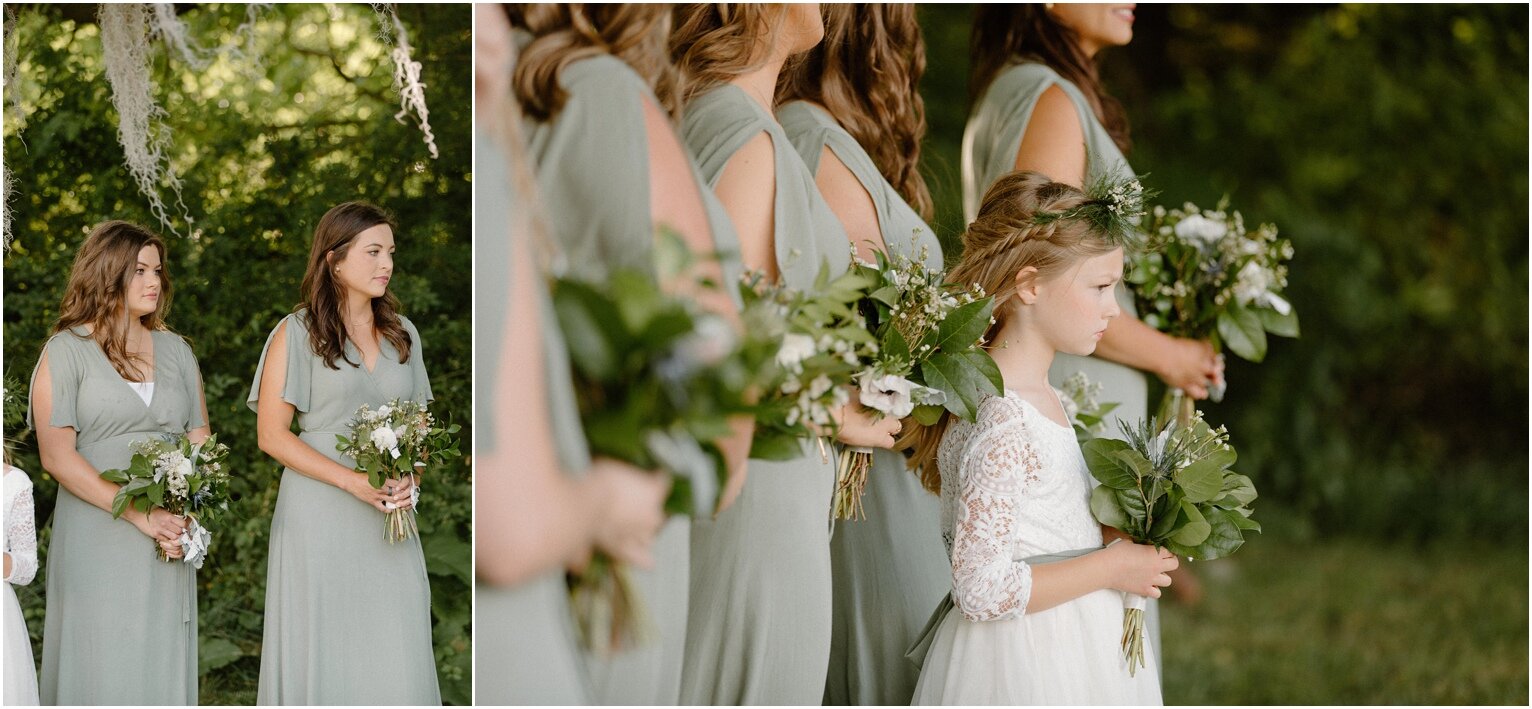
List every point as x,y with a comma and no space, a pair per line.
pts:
538,519
292,452
7,566
80,478
1059,582
1128,341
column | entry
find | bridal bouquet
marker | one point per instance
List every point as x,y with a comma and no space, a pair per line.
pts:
186,479
656,379
1170,487
397,440
1206,277
928,356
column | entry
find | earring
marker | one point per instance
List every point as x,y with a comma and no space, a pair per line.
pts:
1048,6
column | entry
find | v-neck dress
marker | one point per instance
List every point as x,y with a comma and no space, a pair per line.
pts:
889,568
348,615
758,630
120,625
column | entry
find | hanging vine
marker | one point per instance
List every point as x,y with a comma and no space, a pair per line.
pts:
141,126
412,93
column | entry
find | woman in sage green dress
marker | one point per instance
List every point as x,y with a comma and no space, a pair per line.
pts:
758,631
348,614
540,502
1040,106
890,568
610,171
120,625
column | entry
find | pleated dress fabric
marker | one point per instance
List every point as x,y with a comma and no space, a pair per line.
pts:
889,568
348,615
758,630
133,640
592,165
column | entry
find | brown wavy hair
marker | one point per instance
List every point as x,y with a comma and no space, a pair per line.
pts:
97,290
1004,33
1001,241
563,34
713,42
323,296
867,73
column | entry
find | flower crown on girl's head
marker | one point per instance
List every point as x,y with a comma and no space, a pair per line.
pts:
1114,204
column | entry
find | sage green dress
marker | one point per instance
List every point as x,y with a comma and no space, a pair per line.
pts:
348,615
990,143
525,650
592,165
759,627
120,625
889,568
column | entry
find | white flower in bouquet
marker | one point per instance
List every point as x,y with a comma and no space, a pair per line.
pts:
384,439
1253,285
888,394
195,541
1198,229
707,345
795,348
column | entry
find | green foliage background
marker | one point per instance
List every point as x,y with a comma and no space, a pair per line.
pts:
264,148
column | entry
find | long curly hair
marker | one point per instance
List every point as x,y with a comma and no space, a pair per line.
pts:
712,43
1004,33
867,73
324,296
562,34
96,294
1005,238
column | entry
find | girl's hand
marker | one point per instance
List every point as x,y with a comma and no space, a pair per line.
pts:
858,427
159,525
400,492
1140,568
1191,366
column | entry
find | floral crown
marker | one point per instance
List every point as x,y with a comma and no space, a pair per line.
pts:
1114,205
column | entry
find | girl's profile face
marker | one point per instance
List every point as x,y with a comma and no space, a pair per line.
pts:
368,264
1099,25
1074,306
144,287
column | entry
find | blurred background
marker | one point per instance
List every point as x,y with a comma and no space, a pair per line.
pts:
1389,443
265,141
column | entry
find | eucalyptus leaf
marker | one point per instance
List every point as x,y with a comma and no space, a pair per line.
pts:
1242,331
1279,324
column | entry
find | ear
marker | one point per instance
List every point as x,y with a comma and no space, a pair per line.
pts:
1027,285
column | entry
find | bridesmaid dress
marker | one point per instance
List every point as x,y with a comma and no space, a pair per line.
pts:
348,615
592,166
990,143
890,568
21,544
133,640
758,631
525,649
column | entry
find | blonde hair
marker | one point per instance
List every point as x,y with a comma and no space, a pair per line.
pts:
867,73
562,34
97,292
1011,233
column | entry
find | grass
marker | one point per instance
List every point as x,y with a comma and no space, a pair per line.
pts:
1352,621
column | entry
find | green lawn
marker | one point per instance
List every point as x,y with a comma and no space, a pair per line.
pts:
1352,622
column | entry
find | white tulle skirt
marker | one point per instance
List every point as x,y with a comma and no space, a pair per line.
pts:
20,673
1068,654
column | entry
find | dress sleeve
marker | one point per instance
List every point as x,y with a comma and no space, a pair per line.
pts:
418,365
987,583
64,367
21,537
296,389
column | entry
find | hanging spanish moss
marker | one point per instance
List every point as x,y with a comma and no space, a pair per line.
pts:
13,116
141,126
412,93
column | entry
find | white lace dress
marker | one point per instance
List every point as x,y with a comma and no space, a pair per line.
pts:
21,544
1015,485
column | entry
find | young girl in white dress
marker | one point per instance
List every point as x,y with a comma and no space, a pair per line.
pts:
1014,485
20,566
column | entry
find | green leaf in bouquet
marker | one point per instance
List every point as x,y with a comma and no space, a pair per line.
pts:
115,475
1279,324
1238,491
637,299
991,380
120,504
1136,465
1132,504
1241,519
959,379
141,503
1203,480
1106,508
1223,538
928,414
1101,458
453,429
964,326
1167,514
1241,329
893,346
774,445
1193,528
586,319
679,501
887,295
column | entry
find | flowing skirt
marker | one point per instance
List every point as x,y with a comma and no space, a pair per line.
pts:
20,673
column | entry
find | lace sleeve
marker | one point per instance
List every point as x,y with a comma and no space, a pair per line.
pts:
21,539
987,583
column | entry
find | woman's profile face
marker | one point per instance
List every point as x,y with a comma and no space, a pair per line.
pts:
144,287
368,263
1099,25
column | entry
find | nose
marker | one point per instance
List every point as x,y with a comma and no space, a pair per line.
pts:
1114,309
386,260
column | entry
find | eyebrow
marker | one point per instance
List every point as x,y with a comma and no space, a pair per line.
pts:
145,265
